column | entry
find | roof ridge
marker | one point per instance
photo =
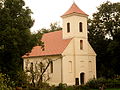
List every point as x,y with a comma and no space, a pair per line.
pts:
52,32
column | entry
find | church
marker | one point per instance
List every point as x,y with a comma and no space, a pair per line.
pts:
73,60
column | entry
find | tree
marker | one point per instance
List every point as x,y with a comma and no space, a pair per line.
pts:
107,18
15,36
103,31
4,82
53,27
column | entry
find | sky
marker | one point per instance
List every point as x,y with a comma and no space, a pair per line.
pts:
46,12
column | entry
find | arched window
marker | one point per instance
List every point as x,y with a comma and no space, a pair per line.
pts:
81,44
80,27
68,27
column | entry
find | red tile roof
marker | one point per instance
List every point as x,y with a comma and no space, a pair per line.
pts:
74,9
54,44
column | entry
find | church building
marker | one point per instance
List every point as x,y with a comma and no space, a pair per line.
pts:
73,60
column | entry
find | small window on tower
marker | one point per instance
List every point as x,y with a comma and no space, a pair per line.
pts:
68,27
81,44
80,27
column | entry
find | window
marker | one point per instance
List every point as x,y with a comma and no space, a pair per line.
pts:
51,67
70,66
80,27
81,44
31,66
90,65
68,27
41,67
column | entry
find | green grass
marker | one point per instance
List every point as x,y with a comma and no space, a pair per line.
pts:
109,89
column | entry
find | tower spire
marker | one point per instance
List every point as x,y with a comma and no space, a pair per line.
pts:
73,1
74,9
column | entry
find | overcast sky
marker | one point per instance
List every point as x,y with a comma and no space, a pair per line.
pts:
49,11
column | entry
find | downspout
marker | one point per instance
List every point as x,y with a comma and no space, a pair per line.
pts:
61,70
74,58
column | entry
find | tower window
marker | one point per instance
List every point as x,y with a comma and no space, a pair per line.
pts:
68,27
81,44
80,27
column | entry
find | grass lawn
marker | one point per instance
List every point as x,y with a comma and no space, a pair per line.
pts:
109,89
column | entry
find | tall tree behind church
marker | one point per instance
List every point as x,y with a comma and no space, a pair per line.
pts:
15,35
104,31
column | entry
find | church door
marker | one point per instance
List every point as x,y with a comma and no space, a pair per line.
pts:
82,78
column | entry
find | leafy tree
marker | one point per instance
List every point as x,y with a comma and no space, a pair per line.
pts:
4,82
15,36
103,32
107,19
53,27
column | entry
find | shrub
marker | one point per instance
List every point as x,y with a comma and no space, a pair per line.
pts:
113,83
108,83
61,87
5,82
21,79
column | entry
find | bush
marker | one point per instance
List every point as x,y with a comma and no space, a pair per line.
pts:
108,83
21,79
113,83
5,82
61,87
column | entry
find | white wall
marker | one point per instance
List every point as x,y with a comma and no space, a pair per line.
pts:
55,77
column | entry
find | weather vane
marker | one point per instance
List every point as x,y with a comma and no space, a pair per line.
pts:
73,1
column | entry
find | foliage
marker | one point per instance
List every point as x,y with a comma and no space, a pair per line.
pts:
21,79
5,82
107,19
61,87
53,27
107,83
15,36
103,35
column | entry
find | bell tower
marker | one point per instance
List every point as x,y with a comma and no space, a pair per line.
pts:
74,23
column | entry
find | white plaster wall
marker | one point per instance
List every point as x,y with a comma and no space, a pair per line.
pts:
55,77
68,77
78,51
68,55
81,66
92,72
80,59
